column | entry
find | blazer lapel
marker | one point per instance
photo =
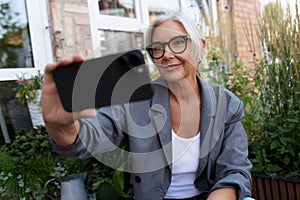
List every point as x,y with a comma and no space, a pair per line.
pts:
207,120
160,111
213,113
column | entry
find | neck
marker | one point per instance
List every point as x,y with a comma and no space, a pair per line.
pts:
184,90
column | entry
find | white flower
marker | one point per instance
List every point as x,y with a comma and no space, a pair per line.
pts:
21,183
27,190
2,189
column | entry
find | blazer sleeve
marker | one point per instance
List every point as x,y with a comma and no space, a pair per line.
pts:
233,168
96,135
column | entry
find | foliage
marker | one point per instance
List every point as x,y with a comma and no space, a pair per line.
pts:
216,70
27,89
100,174
277,142
29,162
270,91
25,165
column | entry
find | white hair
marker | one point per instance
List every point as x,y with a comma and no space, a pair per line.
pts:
189,25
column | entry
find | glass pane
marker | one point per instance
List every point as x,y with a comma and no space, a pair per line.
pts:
117,41
121,8
159,7
16,49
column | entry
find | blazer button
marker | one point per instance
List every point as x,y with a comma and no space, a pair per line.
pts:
137,179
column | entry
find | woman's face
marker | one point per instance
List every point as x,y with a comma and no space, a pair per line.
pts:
176,63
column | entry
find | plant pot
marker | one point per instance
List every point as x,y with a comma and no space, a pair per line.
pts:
268,188
35,111
71,188
18,114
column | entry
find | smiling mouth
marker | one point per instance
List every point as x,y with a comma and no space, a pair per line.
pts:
171,67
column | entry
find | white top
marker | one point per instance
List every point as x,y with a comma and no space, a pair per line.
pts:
185,154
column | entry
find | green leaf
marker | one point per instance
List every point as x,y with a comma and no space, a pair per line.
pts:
118,183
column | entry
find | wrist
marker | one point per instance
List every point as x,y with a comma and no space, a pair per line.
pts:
63,135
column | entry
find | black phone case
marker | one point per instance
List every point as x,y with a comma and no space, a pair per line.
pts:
104,81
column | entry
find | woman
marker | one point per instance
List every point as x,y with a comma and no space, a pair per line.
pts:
186,142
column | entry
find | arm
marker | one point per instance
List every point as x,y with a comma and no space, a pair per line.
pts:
62,126
223,194
233,169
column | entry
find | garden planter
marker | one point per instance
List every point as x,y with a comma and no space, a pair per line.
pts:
71,188
18,114
267,188
35,111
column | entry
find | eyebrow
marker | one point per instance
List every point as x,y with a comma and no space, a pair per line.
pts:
169,39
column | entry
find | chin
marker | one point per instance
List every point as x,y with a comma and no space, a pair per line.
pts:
173,77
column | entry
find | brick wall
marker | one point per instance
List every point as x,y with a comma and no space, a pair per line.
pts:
245,25
71,18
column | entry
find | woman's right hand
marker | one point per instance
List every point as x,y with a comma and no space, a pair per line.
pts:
63,126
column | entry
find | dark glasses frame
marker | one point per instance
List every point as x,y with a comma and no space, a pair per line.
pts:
150,48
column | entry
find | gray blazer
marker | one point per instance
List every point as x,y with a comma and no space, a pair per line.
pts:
146,126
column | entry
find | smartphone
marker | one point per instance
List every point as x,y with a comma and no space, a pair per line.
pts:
112,79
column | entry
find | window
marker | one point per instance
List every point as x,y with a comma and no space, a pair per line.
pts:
25,48
129,16
122,8
14,36
116,41
24,38
158,7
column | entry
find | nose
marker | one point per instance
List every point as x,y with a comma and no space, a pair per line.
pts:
168,52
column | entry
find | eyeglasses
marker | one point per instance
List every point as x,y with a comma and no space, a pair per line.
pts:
177,45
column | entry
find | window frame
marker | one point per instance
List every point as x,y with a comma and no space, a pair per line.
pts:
40,30
106,22
139,24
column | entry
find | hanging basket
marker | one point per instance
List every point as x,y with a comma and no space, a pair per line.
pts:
35,110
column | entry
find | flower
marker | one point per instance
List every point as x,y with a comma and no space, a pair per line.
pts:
27,88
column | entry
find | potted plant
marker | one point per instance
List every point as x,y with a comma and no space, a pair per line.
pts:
28,163
67,179
28,90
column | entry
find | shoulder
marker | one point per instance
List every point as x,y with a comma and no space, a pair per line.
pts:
234,106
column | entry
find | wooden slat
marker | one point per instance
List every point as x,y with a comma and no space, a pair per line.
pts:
261,189
264,188
254,187
297,191
291,190
275,190
268,188
283,190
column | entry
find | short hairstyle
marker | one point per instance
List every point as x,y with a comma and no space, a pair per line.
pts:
192,29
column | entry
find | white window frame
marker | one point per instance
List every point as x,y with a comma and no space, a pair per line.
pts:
140,23
38,17
106,22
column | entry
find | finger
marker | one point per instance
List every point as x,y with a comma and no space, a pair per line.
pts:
77,58
63,62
